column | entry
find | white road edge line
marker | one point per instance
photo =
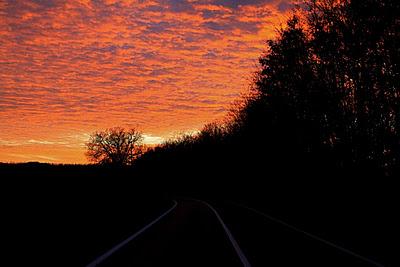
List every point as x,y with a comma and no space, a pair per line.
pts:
123,243
239,252
345,250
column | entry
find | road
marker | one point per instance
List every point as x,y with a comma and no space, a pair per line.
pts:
267,241
198,233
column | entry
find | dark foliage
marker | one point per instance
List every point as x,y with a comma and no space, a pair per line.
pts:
114,146
325,101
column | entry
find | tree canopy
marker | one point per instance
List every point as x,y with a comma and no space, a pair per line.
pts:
114,146
328,86
326,97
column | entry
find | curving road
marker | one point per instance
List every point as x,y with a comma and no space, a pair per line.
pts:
189,234
196,233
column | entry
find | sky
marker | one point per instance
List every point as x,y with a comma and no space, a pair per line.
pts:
165,67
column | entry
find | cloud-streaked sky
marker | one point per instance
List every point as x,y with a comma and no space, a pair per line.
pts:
68,68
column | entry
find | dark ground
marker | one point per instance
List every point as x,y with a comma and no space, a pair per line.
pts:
70,217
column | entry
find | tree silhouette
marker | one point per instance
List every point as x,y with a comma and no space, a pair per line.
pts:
326,98
114,146
358,65
328,86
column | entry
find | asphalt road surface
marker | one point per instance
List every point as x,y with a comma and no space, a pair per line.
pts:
197,233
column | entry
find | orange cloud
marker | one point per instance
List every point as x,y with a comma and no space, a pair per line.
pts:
167,66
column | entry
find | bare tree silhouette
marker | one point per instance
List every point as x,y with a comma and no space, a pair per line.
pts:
114,146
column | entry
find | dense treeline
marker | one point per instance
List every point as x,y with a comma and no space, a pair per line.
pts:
325,101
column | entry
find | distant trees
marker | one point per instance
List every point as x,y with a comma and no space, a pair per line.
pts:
114,146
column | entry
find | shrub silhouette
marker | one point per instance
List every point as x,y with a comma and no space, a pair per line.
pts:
114,146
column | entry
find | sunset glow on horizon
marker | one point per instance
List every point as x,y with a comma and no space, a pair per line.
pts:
165,67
